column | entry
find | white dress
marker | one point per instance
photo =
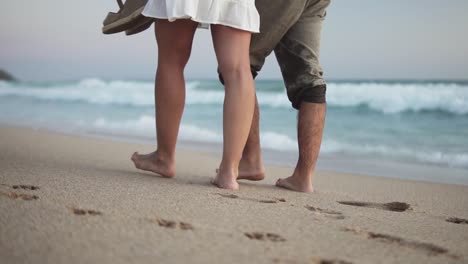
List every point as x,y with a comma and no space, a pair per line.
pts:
240,14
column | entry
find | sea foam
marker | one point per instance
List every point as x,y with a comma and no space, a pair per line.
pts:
382,97
144,127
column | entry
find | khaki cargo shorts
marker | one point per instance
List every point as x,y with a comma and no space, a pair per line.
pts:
292,29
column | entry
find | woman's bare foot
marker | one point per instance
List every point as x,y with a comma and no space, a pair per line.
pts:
291,183
225,180
154,163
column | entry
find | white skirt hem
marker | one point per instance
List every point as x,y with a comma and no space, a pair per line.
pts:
239,14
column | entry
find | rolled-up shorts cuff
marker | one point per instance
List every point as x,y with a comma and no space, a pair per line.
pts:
310,94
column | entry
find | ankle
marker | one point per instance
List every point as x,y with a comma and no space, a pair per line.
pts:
228,169
251,159
164,156
302,176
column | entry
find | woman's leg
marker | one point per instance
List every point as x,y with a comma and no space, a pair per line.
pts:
174,46
232,51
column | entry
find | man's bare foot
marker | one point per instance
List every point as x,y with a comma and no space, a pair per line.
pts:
251,175
225,180
154,163
250,171
291,183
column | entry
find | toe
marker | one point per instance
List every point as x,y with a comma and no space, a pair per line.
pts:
213,182
278,182
282,183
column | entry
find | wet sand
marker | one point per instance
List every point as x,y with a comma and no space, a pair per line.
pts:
70,199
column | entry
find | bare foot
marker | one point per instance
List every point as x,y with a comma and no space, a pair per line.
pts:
152,162
291,184
225,180
252,171
251,174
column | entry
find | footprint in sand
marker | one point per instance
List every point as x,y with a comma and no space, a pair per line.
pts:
172,224
25,187
185,226
330,261
427,248
457,220
21,186
233,196
22,196
314,260
265,237
328,213
393,206
78,211
230,196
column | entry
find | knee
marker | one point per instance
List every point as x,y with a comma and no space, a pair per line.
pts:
221,79
234,71
175,56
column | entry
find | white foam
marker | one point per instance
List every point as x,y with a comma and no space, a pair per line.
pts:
92,91
384,97
144,127
394,98
277,141
429,156
195,133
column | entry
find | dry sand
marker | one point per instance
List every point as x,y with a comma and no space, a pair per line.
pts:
68,199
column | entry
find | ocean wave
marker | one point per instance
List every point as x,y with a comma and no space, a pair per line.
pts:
94,91
277,141
144,127
401,97
381,97
459,159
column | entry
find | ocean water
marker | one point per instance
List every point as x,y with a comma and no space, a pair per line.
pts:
401,122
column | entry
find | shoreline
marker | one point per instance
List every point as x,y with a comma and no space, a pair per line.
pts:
79,199
327,162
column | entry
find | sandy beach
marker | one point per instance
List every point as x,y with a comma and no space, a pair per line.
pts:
70,199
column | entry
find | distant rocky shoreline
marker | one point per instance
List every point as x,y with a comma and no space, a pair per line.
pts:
5,76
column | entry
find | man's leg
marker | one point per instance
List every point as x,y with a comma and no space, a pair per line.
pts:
251,165
298,57
275,19
311,120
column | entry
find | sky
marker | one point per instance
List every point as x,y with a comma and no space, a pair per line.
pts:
367,39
